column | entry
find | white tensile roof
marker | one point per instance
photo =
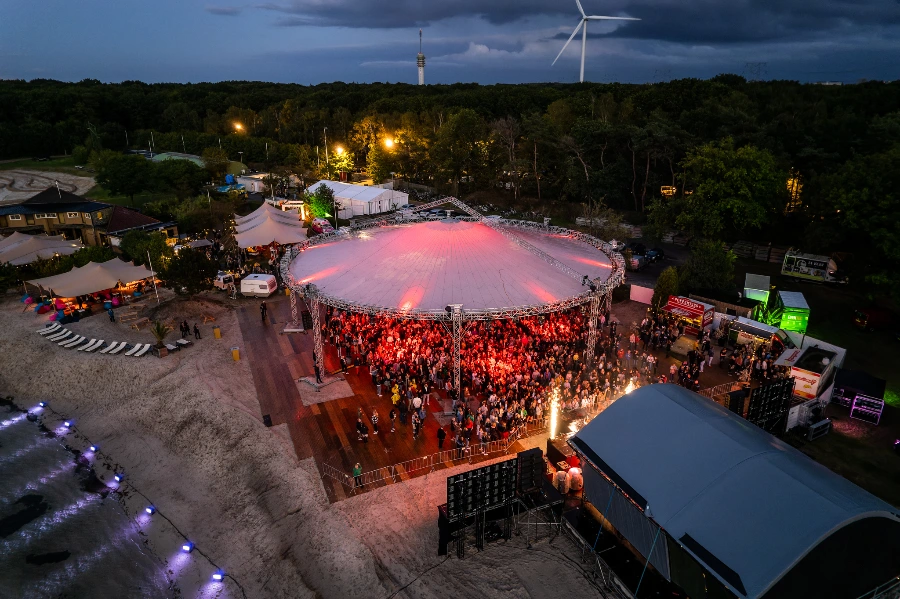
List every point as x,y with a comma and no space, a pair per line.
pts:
755,503
267,224
93,277
429,265
360,193
20,248
264,210
793,299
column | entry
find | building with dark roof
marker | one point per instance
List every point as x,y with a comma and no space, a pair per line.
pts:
57,212
722,509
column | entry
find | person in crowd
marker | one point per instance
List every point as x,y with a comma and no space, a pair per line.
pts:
196,331
357,475
393,416
374,421
441,435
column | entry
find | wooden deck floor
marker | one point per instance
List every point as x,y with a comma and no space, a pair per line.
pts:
326,431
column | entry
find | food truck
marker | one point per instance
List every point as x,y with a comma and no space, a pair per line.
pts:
811,267
697,315
790,312
811,367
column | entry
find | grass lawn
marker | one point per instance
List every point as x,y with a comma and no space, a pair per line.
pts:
61,165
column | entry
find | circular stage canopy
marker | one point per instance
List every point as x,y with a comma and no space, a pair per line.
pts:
414,270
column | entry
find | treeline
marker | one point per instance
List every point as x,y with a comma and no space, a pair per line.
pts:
806,165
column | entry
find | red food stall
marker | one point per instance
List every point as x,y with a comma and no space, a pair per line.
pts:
697,315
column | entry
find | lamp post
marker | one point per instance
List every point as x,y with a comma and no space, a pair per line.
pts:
325,130
241,154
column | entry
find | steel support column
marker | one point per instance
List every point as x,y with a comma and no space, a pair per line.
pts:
310,293
295,324
456,318
593,316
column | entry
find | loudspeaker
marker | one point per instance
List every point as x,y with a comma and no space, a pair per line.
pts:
531,470
306,317
267,420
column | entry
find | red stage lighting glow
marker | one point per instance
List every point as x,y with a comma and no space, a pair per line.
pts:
412,297
592,262
543,294
320,275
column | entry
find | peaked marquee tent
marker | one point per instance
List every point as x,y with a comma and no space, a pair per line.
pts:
267,224
20,248
93,277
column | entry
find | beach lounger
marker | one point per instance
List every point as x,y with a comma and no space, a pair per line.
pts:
143,351
108,347
134,349
183,342
94,346
60,335
83,342
49,328
171,347
72,342
87,345
116,350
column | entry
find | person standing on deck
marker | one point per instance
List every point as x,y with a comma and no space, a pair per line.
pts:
357,475
441,435
374,421
263,310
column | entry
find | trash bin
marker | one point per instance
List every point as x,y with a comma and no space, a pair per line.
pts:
287,291
217,333
236,353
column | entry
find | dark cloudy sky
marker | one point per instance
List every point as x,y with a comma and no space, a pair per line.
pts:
488,41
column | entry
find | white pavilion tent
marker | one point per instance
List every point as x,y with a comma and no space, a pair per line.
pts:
267,224
264,210
19,248
93,277
361,200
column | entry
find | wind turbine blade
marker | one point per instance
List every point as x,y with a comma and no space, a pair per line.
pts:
598,18
581,10
574,33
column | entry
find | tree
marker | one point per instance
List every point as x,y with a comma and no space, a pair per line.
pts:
321,202
126,174
137,244
603,221
159,330
739,188
215,161
508,132
460,148
190,271
80,155
181,177
340,161
862,199
666,285
710,267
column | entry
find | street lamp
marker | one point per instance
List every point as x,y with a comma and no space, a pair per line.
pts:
389,143
238,126
241,154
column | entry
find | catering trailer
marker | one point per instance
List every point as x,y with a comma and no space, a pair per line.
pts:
789,311
811,267
697,315
812,369
258,285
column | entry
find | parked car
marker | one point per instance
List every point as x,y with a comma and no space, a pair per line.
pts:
617,246
655,254
258,285
870,319
320,225
637,248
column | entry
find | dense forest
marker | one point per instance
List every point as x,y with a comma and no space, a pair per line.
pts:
815,167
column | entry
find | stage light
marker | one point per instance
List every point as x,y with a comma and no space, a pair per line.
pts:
218,575
187,547
93,448
150,509
67,424
119,477
43,404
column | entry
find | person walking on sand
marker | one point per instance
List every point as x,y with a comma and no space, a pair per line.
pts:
263,310
196,331
112,315
357,475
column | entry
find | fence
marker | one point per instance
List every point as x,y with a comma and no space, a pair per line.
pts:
449,457
888,590
719,393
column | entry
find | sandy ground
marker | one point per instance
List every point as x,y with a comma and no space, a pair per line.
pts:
20,184
188,432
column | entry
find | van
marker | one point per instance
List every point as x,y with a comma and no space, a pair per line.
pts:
870,319
258,285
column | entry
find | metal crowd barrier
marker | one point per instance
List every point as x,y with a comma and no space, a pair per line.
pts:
453,456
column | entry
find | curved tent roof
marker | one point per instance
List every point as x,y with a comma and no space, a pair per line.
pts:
25,249
93,277
755,504
426,266
279,217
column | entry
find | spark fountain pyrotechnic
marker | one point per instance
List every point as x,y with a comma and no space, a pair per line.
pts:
554,412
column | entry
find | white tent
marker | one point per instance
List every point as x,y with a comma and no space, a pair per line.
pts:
20,248
360,200
266,209
269,229
93,277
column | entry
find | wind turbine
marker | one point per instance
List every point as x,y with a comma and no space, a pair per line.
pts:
583,26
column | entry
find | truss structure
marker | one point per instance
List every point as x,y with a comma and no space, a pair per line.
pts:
598,293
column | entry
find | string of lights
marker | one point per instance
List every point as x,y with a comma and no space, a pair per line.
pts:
187,546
